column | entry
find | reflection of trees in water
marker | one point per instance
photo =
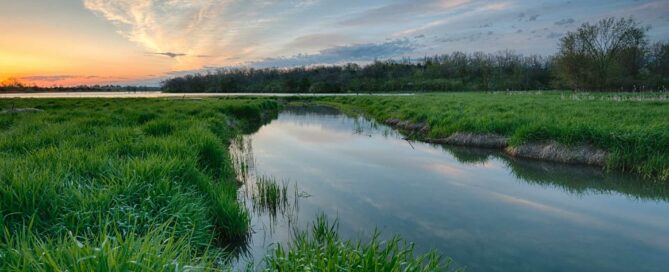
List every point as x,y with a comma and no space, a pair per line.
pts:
575,179
311,110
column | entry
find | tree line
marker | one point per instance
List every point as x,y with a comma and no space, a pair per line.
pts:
610,55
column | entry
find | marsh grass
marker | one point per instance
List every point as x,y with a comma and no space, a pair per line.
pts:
270,196
117,185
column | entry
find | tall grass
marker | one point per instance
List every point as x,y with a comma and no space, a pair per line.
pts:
321,249
133,184
633,130
270,194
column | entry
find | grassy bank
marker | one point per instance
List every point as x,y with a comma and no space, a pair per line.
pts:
120,184
124,184
633,128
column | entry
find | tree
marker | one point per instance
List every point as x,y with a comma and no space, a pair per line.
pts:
605,55
658,65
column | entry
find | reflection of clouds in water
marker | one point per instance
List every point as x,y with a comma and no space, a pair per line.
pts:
446,169
312,134
339,123
631,231
495,164
446,197
648,238
572,216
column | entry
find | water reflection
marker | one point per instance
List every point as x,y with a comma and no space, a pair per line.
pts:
574,179
488,211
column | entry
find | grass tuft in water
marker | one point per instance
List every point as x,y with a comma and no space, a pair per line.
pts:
270,195
321,249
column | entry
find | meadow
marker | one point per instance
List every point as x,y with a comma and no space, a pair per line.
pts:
632,127
146,185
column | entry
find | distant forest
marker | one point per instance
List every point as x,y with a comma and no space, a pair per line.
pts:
610,55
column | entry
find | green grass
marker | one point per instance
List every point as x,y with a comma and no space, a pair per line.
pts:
142,185
634,128
270,196
148,185
321,249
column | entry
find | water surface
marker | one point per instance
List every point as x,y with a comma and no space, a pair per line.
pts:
485,210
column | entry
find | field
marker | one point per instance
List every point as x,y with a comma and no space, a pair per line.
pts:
633,128
142,185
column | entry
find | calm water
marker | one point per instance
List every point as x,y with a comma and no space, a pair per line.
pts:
486,211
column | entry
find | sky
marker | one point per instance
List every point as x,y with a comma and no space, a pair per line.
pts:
141,42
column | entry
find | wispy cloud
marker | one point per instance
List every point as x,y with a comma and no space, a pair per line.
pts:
395,12
474,10
339,54
320,40
566,21
48,78
179,29
68,80
171,54
176,55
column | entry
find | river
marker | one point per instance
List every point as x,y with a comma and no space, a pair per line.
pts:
487,211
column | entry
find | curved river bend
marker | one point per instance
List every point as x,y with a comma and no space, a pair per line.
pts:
487,211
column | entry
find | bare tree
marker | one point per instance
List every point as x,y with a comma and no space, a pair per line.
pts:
605,55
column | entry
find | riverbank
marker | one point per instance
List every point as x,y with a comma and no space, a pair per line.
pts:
617,131
136,184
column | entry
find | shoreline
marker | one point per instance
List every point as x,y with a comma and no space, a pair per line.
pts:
552,151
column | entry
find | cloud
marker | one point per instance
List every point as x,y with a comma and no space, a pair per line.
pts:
470,37
554,35
171,54
565,21
304,3
70,80
176,55
319,40
55,78
397,11
184,30
341,54
49,78
470,15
